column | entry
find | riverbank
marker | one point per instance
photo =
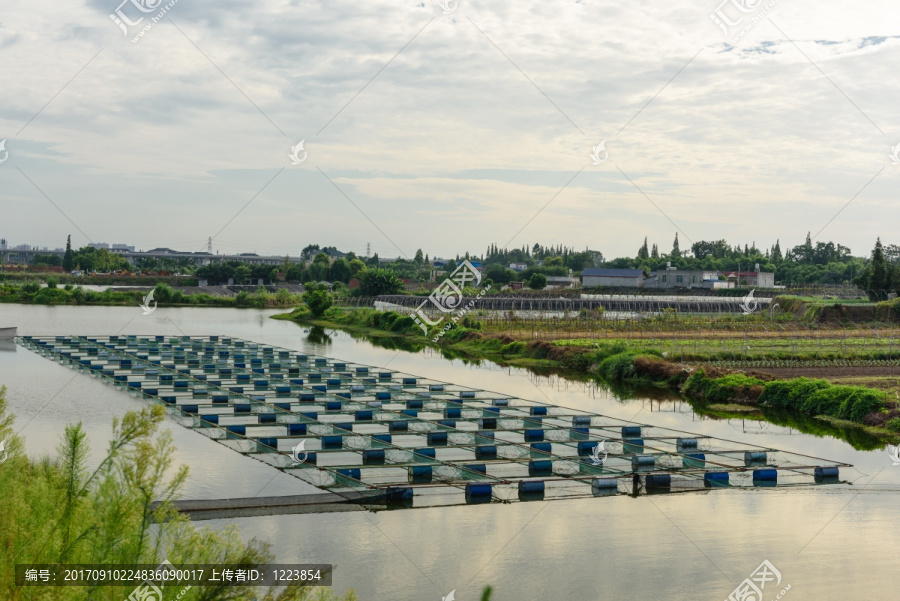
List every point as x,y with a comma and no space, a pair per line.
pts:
628,369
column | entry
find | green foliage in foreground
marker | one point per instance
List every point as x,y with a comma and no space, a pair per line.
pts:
56,510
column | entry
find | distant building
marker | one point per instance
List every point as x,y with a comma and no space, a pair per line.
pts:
561,281
620,278
518,266
672,277
99,245
759,279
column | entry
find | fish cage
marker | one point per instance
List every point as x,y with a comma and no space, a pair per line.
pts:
376,435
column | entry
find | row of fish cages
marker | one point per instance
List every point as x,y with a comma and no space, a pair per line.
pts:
351,428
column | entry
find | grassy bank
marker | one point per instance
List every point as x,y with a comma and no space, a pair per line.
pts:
629,369
31,293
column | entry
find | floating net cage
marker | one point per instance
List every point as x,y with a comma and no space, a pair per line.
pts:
380,436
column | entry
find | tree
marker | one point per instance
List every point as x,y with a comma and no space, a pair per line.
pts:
309,252
654,254
318,299
499,274
420,258
356,266
537,281
879,280
552,262
241,274
69,258
340,271
643,252
676,251
375,282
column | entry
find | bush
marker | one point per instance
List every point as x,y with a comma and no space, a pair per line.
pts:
537,281
402,324
318,300
893,424
51,296
731,387
790,394
52,282
618,367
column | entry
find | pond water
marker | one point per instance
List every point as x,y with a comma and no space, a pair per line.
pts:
830,542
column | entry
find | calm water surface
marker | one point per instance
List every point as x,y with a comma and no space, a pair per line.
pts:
836,542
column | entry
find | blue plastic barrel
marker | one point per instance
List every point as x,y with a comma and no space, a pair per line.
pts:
755,457
189,408
488,423
343,426
437,438
534,435
467,394
658,481
643,461
633,445
349,473
491,410
307,397
426,452
476,467
531,486
715,478
409,381
694,460
631,431
282,406
765,475
242,430
332,406
373,456
267,418
242,408
540,466
332,441
586,448
310,415
581,420
213,419
500,402
398,426
826,472
538,411
449,423
382,396
269,442
686,443
386,438
436,387
363,415
414,404
604,483
296,429
420,473
541,447
320,388
486,452
394,494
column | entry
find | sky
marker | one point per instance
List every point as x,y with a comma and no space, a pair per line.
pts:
448,125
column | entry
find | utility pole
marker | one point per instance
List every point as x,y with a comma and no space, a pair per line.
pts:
209,245
368,249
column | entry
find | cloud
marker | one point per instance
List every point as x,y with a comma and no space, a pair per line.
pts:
449,131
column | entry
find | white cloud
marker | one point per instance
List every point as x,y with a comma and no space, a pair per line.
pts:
450,147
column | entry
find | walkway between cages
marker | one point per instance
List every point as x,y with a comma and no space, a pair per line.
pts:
369,435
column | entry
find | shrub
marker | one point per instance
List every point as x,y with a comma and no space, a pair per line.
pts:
51,296
893,424
617,367
52,282
790,394
402,324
